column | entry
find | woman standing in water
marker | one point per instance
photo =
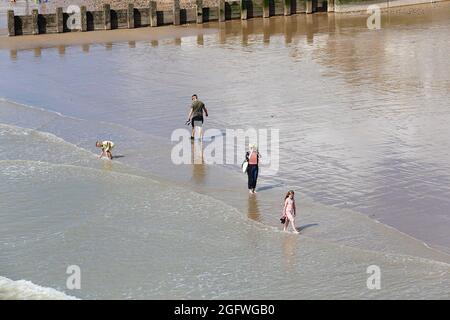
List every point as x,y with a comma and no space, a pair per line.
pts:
289,211
252,157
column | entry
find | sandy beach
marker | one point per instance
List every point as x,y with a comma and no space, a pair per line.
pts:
122,35
363,130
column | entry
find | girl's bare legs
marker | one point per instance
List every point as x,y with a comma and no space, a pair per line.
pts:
293,226
286,224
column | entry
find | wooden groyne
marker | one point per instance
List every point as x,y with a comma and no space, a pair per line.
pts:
131,17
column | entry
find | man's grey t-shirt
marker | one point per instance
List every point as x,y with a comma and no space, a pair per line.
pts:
197,108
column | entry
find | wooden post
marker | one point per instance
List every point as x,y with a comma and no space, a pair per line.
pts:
83,18
330,6
176,12
35,21
222,10
59,20
309,6
287,7
152,14
107,16
243,10
199,7
130,16
11,23
266,8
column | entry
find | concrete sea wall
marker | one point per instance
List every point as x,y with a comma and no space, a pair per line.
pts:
341,6
151,15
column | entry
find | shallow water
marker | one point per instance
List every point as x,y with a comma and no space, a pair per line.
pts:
363,129
135,237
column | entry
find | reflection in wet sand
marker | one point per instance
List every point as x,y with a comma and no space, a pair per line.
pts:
107,165
13,54
245,32
253,208
200,40
266,30
37,52
289,252
61,50
199,170
367,109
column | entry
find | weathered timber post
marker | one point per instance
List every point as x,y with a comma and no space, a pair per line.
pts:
309,6
130,16
221,10
266,8
107,16
59,20
152,14
176,12
330,6
287,7
243,9
83,18
199,7
35,21
11,23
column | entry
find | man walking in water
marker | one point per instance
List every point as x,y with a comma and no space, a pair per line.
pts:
196,115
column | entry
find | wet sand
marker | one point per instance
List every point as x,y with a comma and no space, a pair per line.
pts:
111,36
315,24
333,37
225,236
367,130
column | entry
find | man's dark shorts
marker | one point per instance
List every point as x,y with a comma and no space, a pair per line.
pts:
195,119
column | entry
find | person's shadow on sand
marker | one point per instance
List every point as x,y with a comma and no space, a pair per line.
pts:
268,187
306,226
118,157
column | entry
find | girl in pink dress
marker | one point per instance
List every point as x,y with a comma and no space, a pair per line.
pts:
289,211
